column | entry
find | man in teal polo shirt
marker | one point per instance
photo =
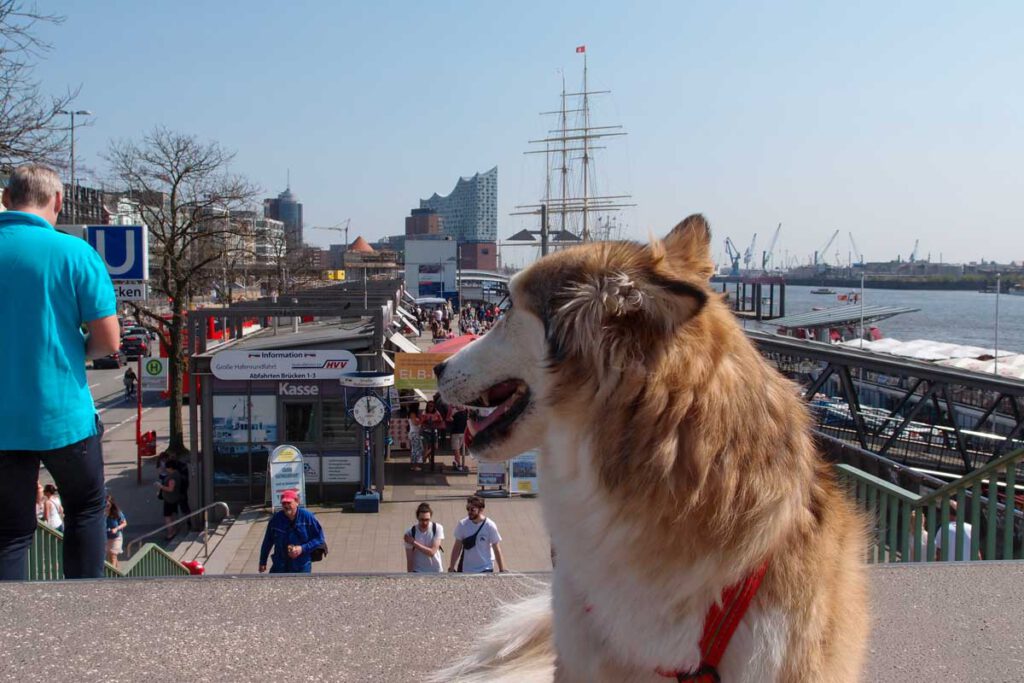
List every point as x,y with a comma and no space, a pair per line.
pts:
50,285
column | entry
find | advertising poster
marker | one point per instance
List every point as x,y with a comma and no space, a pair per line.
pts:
286,473
416,371
340,469
230,419
311,466
492,474
524,474
263,419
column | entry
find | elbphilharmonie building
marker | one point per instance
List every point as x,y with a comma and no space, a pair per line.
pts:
470,212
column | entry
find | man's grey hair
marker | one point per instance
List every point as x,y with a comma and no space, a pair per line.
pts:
33,185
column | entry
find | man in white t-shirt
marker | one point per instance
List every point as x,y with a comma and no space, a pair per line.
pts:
423,543
477,541
950,534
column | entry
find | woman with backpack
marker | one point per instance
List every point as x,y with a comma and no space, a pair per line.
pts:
423,553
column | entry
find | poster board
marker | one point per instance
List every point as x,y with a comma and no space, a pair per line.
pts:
286,472
524,474
416,370
492,474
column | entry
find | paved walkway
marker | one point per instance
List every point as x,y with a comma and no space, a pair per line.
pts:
371,543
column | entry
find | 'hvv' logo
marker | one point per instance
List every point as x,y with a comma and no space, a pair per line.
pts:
123,248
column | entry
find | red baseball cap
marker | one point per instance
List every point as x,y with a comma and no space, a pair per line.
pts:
290,495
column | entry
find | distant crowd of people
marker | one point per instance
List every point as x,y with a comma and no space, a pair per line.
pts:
478,319
428,428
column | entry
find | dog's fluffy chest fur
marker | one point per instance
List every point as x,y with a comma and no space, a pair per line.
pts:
646,620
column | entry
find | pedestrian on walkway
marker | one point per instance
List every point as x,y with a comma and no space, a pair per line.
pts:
116,524
53,511
423,543
51,285
129,380
293,532
415,438
460,419
172,492
431,425
477,542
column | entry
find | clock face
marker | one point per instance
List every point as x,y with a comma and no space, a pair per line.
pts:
369,411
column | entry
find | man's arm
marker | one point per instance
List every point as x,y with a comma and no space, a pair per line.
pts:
499,557
104,337
408,559
456,551
318,536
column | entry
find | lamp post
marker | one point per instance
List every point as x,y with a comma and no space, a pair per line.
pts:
73,114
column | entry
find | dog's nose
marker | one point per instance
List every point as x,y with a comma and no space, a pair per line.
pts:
439,369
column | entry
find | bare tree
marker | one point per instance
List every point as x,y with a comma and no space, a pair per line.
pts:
31,125
183,185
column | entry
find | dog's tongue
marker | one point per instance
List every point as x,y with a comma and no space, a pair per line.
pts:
479,424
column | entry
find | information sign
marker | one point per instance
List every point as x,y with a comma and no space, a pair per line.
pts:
282,364
492,474
340,469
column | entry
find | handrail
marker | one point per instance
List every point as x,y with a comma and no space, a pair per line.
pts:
906,526
45,560
227,513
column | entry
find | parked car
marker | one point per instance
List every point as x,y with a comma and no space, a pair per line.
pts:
114,360
135,346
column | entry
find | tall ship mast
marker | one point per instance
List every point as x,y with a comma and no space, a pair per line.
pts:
575,209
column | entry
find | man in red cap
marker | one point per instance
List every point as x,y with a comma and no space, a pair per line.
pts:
293,532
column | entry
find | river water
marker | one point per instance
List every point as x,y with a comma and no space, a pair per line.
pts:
947,316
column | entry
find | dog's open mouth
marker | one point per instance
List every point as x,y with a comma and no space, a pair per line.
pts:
496,410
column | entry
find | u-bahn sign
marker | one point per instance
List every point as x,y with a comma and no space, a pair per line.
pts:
123,248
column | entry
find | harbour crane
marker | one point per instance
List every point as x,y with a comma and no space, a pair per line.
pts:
859,263
913,254
766,255
819,256
734,257
748,255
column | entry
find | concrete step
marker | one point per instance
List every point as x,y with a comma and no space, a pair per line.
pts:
191,546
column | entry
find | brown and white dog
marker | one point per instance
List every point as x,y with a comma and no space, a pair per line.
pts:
674,462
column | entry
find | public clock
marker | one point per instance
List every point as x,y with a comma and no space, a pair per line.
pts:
369,411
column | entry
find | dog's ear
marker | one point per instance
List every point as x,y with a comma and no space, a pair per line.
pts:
687,249
623,315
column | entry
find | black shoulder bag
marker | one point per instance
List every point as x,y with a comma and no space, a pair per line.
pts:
469,543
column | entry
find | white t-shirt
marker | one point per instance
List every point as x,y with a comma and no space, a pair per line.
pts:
420,562
965,540
480,557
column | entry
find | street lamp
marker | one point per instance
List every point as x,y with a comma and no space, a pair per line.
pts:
73,114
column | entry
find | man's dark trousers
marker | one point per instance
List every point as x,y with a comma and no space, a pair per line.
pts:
78,471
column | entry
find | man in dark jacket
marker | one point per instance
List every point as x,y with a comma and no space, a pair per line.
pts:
293,533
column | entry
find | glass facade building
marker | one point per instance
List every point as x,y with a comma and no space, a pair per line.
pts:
287,209
470,212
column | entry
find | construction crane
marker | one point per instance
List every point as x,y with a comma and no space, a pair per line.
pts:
913,254
338,228
734,257
748,255
819,256
766,255
859,263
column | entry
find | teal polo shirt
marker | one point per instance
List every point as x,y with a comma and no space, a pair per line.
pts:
50,283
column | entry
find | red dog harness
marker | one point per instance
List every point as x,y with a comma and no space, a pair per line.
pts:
720,623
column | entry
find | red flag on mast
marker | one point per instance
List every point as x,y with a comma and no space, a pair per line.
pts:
581,48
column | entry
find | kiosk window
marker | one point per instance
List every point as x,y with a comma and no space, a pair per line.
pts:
300,422
339,428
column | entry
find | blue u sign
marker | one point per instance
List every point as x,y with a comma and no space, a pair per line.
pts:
124,248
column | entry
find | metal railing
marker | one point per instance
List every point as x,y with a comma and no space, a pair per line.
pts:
46,560
204,533
975,517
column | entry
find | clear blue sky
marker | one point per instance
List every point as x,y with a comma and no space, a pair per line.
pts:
896,121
